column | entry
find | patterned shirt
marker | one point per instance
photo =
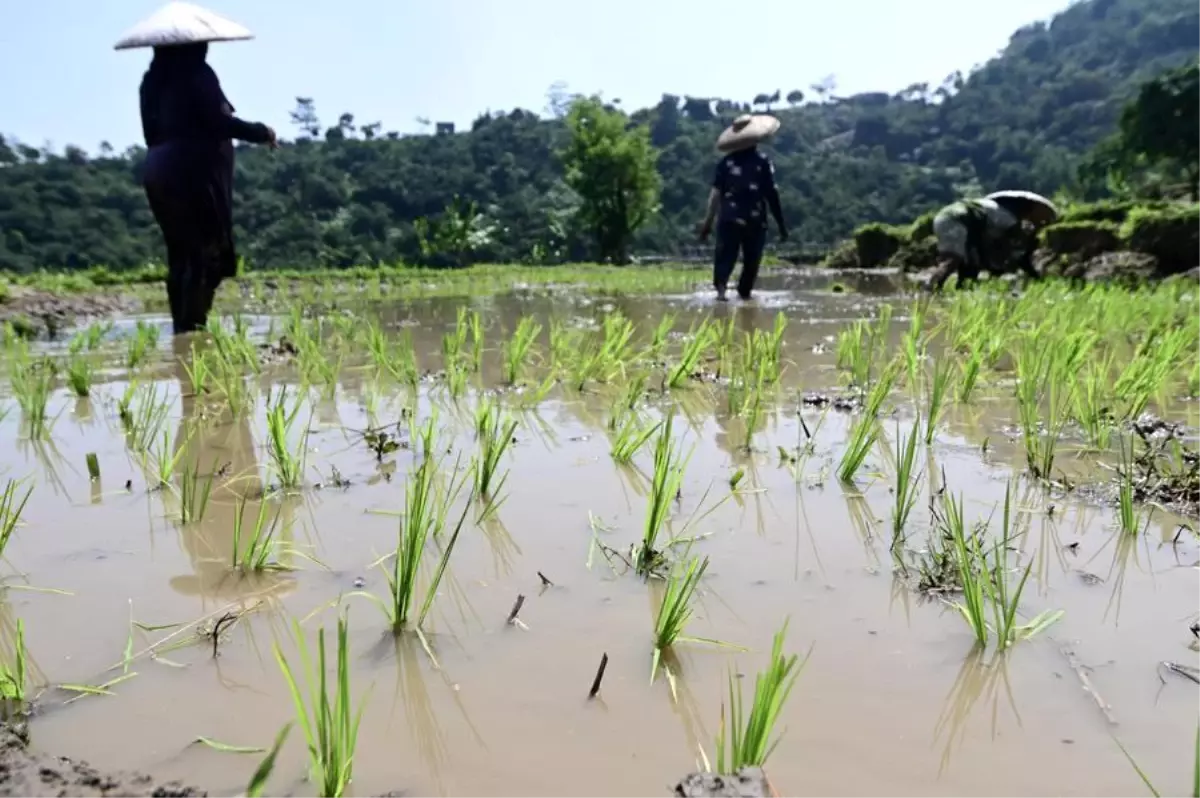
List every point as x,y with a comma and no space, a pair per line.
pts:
999,220
744,179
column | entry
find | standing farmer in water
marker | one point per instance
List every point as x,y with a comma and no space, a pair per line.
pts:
976,234
189,126
742,191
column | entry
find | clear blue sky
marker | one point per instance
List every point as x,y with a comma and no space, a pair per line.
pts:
447,60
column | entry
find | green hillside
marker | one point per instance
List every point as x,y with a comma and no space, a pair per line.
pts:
343,193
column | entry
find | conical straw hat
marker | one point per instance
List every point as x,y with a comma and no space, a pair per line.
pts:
181,23
746,131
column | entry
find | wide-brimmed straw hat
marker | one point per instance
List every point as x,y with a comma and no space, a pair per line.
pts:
181,23
1026,205
746,131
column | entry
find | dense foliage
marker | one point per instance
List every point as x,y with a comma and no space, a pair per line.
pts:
1156,149
352,194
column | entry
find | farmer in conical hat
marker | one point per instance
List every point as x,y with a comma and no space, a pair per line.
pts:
974,235
742,191
189,126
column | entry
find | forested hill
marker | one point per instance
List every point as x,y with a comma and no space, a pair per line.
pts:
347,192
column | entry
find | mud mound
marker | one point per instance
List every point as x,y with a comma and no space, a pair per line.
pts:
41,312
26,772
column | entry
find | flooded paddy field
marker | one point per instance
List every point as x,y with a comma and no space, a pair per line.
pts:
971,519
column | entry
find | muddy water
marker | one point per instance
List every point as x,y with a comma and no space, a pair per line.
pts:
892,700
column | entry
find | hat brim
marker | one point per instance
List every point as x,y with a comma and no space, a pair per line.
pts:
182,23
759,128
1026,205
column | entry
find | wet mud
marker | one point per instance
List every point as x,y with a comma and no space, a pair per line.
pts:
43,313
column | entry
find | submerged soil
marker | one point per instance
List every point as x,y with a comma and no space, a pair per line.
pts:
893,699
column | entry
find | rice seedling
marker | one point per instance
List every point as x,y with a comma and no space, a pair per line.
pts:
665,485
969,377
317,367
853,353
287,459
14,677
474,325
258,782
863,437
143,420
939,384
80,374
907,482
516,350
1090,405
631,395
1127,516
456,373
455,341
745,739
164,459
1043,374
194,491
199,372
257,550
913,345
495,436
10,511
32,382
724,335
676,610
660,336
630,437
327,715
423,519
689,358
985,577
143,342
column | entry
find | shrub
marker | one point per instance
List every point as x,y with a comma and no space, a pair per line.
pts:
921,228
843,256
875,244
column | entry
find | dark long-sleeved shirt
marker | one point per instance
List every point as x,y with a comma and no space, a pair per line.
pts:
746,182
187,104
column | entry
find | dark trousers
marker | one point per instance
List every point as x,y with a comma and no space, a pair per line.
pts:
732,238
190,191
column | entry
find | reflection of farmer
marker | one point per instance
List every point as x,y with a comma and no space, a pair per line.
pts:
225,449
978,234
189,125
742,190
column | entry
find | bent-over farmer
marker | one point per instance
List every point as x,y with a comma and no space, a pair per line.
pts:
743,188
976,234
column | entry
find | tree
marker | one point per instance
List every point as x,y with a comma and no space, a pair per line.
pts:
455,236
304,117
612,167
795,97
1163,124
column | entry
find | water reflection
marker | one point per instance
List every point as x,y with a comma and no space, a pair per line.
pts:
979,677
221,448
